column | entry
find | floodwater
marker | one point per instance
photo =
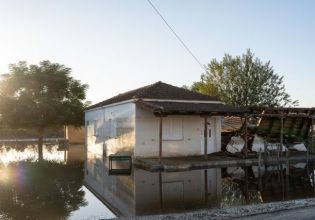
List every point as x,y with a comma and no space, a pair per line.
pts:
146,193
53,189
59,187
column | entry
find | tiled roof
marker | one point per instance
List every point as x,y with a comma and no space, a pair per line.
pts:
158,90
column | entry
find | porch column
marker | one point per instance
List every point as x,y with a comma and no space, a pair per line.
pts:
281,134
160,138
206,137
312,138
246,142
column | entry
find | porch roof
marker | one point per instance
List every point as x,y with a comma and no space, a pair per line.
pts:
189,108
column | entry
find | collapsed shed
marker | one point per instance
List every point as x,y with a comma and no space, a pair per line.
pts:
277,128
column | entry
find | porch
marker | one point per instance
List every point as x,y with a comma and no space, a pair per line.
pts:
218,160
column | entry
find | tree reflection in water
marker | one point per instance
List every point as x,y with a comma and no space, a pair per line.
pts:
233,195
20,151
40,190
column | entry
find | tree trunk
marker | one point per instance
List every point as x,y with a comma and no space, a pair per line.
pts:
40,146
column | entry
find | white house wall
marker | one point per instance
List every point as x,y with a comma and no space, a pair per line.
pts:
191,143
111,130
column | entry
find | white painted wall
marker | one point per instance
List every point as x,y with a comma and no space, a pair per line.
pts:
94,143
111,130
191,143
126,128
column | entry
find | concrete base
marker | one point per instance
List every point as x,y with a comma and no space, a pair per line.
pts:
173,164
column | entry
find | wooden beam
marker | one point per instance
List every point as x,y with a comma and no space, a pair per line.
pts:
301,126
276,115
271,125
246,141
292,126
307,131
281,109
160,138
312,138
206,137
281,135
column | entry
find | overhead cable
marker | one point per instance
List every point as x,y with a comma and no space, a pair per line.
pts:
177,36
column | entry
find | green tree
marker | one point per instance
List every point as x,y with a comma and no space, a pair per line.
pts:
39,97
244,81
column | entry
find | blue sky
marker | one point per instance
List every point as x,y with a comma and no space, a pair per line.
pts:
118,45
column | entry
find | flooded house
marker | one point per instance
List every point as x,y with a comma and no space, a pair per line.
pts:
159,120
165,124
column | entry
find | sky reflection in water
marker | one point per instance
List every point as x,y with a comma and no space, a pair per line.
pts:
52,189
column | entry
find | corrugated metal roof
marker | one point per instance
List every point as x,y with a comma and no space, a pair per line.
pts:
231,124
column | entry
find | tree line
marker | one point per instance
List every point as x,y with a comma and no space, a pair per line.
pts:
43,96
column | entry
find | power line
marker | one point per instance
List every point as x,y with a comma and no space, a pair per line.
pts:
176,35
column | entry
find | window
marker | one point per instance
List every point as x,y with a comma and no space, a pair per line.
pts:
110,128
172,129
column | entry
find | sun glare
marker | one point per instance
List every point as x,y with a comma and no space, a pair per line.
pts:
9,156
30,153
4,174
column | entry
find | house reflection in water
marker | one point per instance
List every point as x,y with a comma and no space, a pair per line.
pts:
143,192
166,192
146,193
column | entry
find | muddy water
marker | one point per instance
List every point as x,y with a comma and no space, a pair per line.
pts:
53,189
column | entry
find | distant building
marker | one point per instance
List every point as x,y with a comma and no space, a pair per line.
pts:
74,135
159,120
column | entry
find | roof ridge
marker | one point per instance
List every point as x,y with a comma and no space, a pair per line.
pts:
131,91
142,92
188,90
